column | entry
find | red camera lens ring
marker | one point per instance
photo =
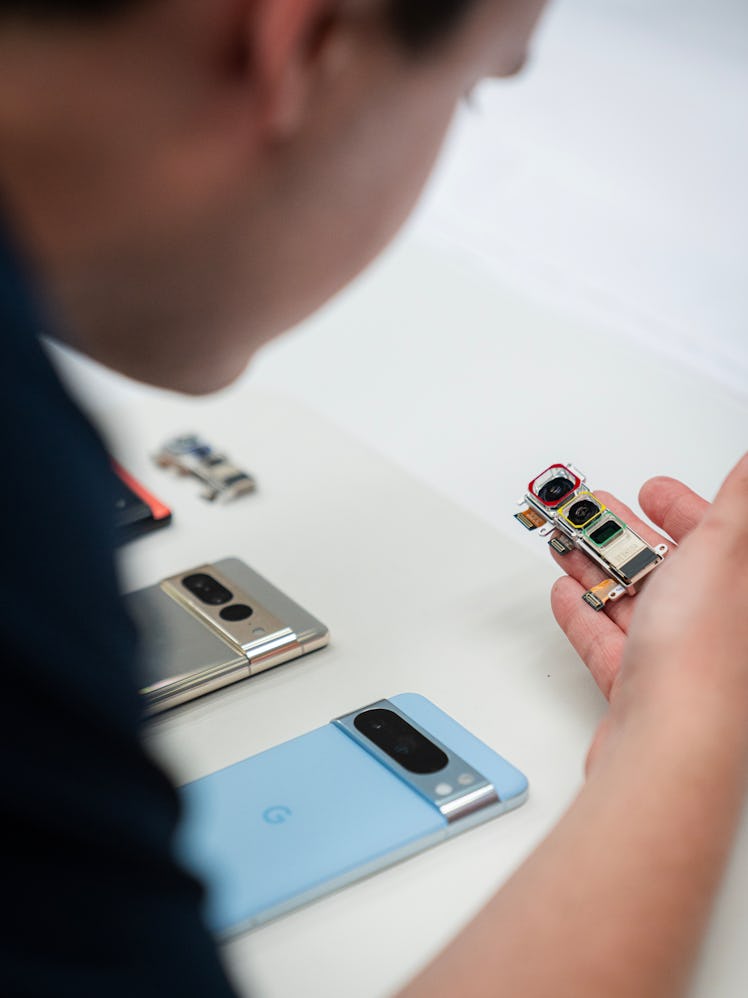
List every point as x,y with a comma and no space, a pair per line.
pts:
574,483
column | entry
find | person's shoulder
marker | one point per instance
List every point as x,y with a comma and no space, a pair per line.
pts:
61,609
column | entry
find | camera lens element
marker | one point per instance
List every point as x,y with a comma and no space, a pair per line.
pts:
603,534
393,735
207,589
236,612
582,512
554,491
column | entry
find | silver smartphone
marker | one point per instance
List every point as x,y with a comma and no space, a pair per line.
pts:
214,625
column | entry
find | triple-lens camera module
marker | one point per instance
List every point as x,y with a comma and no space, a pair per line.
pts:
560,504
554,485
400,740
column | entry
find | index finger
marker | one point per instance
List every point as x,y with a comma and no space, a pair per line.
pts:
672,506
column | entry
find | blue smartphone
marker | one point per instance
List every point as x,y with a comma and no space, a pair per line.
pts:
291,824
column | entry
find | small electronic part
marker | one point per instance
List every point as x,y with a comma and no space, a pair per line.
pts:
603,593
558,502
530,519
561,544
136,510
189,454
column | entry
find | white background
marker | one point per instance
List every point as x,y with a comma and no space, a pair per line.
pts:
608,183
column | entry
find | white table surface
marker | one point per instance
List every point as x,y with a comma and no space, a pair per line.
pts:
419,596
473,387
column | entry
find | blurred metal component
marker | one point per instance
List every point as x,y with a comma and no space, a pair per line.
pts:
189,454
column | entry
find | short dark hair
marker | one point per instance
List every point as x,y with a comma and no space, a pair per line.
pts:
421,23
64,9
416,23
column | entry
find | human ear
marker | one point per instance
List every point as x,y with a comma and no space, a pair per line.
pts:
294,45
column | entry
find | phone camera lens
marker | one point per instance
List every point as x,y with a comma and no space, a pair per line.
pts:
236,612
604,533
207,589
400,740
582,512
555,490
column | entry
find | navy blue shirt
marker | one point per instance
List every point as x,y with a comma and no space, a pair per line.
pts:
93,902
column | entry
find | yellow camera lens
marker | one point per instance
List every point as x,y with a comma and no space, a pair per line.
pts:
583,509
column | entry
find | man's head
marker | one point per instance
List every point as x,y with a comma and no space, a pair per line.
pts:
192,178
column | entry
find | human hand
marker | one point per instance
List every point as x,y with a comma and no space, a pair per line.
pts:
600,638
690,621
